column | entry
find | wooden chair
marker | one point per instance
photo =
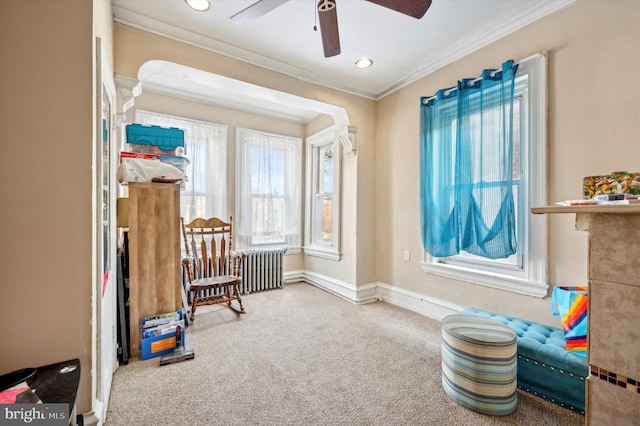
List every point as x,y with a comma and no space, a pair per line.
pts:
213,269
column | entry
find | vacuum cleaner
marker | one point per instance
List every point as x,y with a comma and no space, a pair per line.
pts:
179,353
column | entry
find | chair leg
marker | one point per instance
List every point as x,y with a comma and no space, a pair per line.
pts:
193,305
185,306
241,307
228,292
237,290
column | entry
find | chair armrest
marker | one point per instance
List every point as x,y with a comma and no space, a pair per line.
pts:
187,262
237,255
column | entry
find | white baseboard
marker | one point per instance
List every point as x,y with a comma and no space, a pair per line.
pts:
95,416
355,294
293,276
422,304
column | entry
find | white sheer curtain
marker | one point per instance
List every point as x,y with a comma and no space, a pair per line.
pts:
269,181
205,192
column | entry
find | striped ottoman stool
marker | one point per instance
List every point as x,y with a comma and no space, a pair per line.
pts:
479,365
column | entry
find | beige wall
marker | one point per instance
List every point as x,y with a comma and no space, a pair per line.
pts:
103,26
594,126
46,139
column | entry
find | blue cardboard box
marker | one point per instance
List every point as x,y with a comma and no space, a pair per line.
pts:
159,335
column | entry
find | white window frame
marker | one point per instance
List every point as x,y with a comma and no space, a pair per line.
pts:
292,241
531,277
313,214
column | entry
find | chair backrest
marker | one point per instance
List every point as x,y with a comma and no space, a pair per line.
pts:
209,242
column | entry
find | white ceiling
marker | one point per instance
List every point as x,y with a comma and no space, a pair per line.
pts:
403,49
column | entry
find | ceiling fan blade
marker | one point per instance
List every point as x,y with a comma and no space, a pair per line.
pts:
328,18
256,10
413,8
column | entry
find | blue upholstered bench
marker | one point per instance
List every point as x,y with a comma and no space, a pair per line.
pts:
545,368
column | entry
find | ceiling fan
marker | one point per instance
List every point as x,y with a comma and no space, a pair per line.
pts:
328,17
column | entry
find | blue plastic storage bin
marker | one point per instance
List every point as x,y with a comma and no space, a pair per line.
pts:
165,139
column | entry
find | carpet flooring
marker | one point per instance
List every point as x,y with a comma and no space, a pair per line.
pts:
302,356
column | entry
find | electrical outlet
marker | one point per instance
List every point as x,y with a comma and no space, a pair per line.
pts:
407,255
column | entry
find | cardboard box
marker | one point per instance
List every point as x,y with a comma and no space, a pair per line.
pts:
145,156
157,337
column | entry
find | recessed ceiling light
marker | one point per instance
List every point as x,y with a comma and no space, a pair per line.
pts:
199,5
364,63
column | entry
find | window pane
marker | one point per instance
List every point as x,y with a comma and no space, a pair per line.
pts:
326,167
267,195
267,171
323,212
268,219
323,226
193,200
327,203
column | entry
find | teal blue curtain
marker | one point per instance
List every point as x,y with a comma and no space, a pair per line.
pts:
466,167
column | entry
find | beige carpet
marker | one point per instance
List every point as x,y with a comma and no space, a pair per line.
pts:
301,356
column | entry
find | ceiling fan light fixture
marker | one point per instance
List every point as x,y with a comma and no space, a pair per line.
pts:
364,62
199,5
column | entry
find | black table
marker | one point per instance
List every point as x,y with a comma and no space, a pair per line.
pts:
54,383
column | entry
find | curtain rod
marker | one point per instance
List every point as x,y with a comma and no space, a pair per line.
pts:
451,89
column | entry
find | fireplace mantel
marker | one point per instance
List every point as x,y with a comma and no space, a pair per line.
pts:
613,386
607,209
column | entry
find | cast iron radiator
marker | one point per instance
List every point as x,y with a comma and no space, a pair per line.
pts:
262,270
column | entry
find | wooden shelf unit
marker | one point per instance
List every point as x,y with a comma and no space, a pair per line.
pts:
154,254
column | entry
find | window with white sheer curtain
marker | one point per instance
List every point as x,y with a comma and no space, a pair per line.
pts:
205,192
269,188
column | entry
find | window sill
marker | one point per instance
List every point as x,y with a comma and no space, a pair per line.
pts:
322,252
493,280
